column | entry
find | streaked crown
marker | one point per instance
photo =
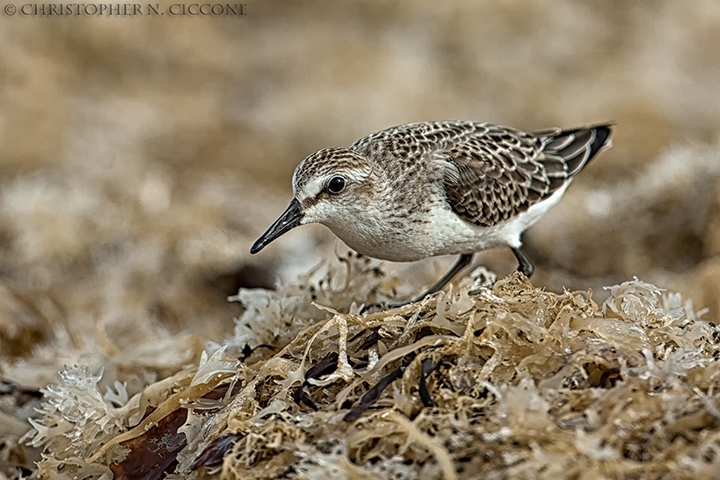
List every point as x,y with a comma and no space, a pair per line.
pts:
313,176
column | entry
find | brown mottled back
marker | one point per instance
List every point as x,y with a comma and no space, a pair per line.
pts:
490,173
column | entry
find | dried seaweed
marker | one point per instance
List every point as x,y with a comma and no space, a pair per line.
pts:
507,381
324,367
215,452
154,452
423,391
372,395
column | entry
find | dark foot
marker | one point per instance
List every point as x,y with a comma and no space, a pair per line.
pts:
525,266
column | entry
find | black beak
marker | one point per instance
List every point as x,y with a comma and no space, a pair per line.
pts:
287,221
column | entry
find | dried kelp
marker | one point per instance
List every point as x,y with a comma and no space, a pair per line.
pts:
506,381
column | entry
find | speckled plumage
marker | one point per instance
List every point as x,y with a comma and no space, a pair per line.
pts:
435,188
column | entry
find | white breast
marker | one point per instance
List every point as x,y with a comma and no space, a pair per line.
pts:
445,234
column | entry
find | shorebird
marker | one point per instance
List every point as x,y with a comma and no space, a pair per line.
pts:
438,188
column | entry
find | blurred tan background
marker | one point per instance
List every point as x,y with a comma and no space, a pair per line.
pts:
140,157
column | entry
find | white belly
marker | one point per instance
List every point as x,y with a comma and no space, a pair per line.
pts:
446,234
449,234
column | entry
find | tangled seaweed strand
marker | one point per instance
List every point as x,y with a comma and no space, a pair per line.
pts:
502,382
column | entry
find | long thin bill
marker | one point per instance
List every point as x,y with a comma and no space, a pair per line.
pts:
287,221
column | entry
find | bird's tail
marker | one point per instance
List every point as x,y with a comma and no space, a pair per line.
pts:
576,147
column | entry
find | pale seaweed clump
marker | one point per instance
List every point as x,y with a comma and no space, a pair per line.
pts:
88,434
507,381
75,417
345,282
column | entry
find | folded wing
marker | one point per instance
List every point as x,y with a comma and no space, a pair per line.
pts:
499,172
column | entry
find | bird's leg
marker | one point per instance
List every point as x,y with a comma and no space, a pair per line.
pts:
525,266
462,262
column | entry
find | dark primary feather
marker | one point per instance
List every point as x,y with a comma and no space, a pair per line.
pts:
501,172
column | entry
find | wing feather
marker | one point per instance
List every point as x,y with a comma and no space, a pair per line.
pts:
500,172
490,173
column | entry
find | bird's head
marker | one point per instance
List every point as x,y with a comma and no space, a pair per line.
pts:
333,186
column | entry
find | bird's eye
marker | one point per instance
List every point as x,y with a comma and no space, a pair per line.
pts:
336,184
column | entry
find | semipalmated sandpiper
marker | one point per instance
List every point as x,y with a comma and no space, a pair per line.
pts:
438,188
